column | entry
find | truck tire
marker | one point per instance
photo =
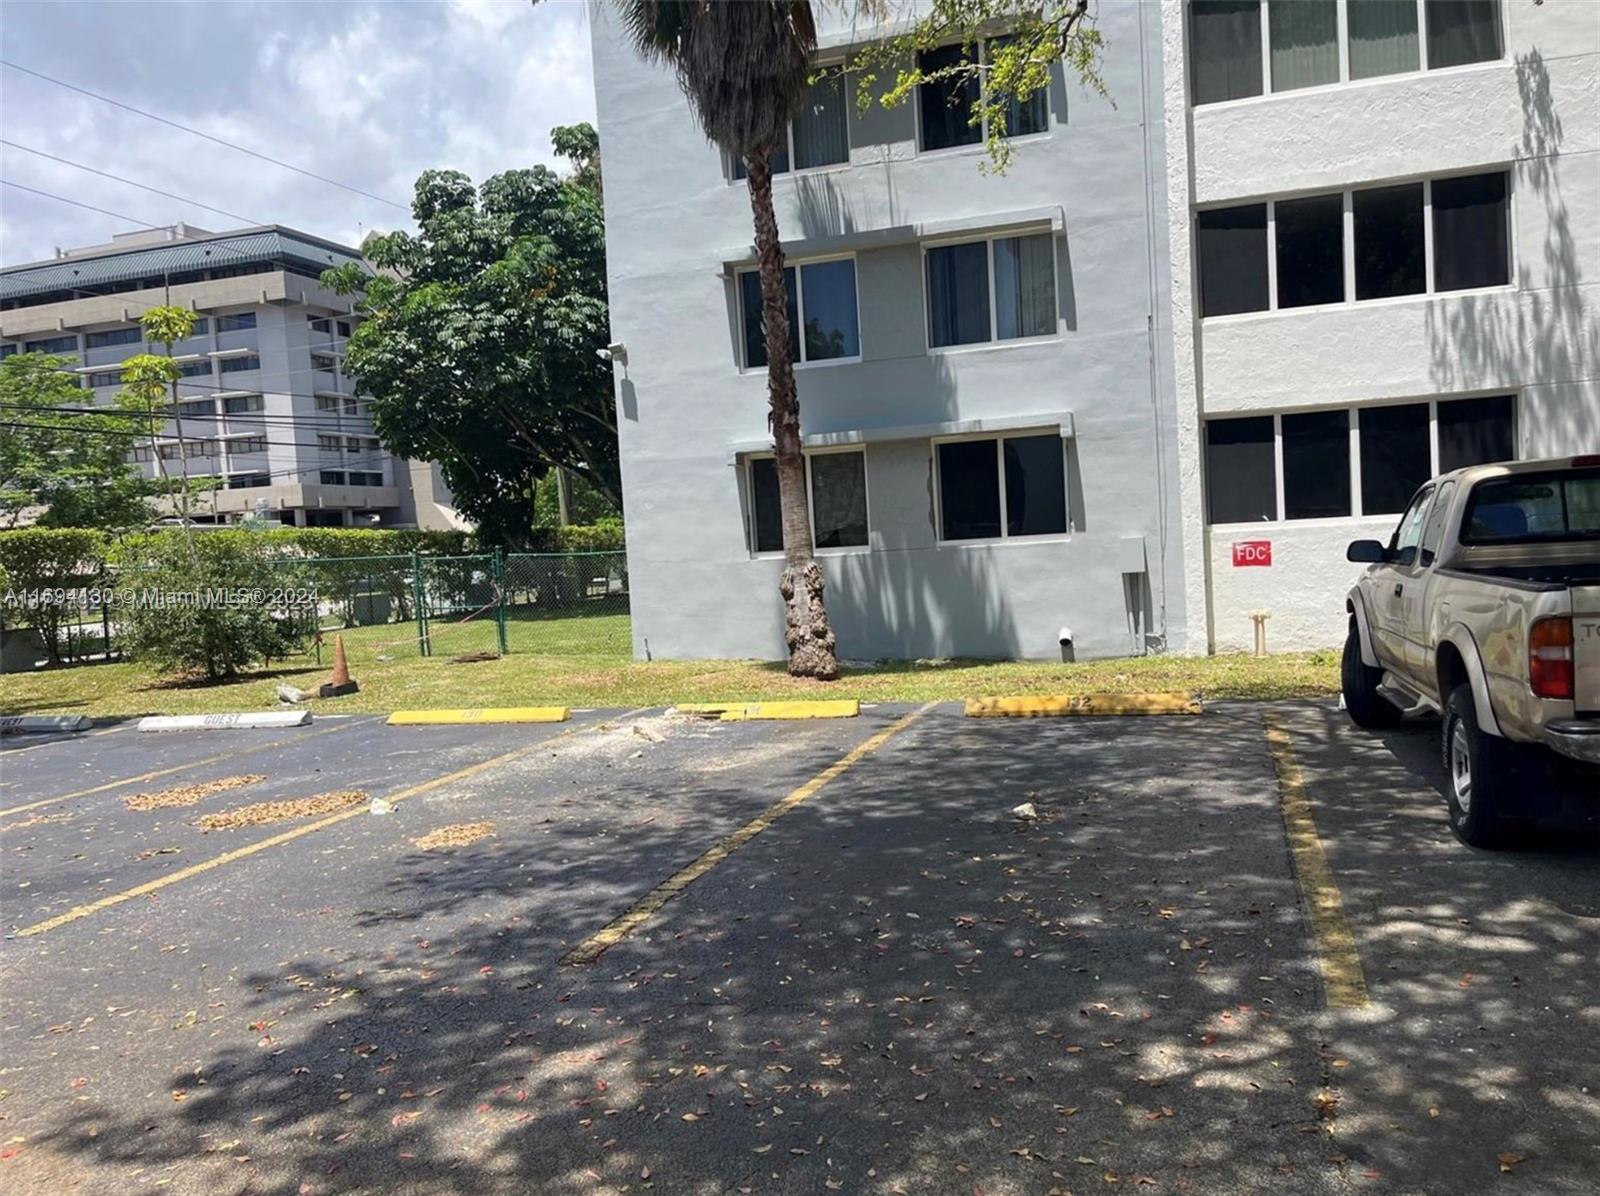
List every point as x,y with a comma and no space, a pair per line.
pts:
1366,707
1480,780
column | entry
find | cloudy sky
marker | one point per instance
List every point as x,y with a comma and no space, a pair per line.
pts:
368,93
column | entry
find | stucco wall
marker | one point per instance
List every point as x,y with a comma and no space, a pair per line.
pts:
673,224
1536,113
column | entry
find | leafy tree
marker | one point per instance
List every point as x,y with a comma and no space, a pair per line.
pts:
185,635
60,459
745,68
1035,35
481,344
39,560
150,389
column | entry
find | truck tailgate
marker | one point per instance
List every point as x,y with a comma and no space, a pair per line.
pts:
1586,648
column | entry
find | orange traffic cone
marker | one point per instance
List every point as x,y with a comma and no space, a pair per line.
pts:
341,683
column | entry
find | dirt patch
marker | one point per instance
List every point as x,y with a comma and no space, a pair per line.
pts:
40,820
282,811
188,795
459,834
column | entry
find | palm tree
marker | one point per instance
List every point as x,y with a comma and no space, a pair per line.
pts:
745,64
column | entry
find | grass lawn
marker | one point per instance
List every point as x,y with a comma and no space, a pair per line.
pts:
605,676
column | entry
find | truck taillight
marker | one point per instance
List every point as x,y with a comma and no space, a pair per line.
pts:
1550,658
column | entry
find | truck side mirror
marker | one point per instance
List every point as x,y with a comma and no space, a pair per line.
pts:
1366,552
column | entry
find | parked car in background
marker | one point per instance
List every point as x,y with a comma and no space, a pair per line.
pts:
1485,607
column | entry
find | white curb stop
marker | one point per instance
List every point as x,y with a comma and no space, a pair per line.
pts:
43,724
225,722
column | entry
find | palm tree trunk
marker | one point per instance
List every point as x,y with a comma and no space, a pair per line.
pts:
809,635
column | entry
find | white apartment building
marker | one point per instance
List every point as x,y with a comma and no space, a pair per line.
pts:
1385,247
265,406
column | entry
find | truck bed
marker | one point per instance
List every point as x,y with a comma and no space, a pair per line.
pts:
1558,576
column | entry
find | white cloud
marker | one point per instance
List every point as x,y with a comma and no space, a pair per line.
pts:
370,94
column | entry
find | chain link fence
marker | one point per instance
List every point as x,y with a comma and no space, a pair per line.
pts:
487,604
572,604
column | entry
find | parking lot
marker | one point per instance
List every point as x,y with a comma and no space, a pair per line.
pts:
1239,952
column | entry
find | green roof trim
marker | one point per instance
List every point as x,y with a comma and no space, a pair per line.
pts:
172,258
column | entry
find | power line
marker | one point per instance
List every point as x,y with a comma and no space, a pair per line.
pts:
75,203
321,178
105,174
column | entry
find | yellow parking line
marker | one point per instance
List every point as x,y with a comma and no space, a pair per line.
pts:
228,857
1343,980
642,910
163,772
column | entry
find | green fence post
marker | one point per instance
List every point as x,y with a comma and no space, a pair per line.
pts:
500,598
417,601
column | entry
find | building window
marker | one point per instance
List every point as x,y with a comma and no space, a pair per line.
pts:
1309,239
1389,241
1389,254
1225,49
237,365
344,328
324,361
1462,31
139,453
1477,432
360,478
823,304
1401,447
836,490
114,336
199,448
247,481
104,378
1471,242
962,309
1304,43
1241,470
241,404
1396,456
237,322
195,369
241,445
1383,37
328,403
331,477
1302,40
819,135
330,444
197,409
170,451
6,351
52,344
1316,465
1233,259
974,502
945,106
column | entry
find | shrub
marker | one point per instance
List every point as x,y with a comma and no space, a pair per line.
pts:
37,560
188,631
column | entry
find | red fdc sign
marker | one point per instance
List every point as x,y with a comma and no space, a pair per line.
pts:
1252,552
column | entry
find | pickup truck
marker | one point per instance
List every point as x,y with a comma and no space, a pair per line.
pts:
1484,607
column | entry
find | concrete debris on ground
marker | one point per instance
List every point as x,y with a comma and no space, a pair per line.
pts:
188,795
379,806
290,696
281,811
1027,812
459,834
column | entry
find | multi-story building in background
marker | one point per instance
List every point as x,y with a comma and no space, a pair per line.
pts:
264,404
1147,383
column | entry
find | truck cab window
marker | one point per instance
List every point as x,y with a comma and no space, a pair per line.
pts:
1409,534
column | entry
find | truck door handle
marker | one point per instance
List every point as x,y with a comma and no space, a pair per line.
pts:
1398,588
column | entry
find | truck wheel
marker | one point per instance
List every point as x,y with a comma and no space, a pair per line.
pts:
1362,701
1480,776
